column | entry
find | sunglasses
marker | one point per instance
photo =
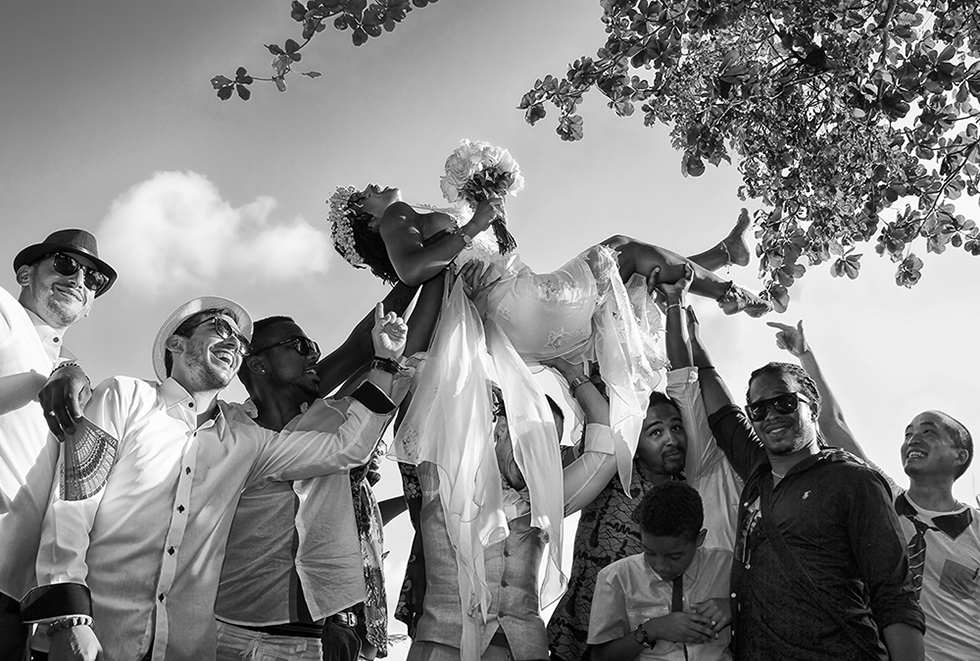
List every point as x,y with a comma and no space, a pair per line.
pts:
224,331
68,265
303,345
783,404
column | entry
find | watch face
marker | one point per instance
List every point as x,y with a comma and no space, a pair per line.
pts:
641,636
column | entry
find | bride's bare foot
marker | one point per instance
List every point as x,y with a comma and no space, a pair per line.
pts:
736,244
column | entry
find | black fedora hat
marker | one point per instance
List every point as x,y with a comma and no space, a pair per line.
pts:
74,241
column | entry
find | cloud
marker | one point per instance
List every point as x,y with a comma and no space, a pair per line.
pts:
175,230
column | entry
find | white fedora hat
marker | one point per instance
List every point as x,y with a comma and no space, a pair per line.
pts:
188,309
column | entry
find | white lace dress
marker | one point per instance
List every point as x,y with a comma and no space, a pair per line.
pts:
580,312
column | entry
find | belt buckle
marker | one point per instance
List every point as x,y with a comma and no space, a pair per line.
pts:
350,618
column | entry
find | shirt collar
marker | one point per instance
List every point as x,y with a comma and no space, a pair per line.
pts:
51,339
180,404
953,524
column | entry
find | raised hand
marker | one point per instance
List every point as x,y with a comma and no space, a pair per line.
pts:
718,610
486,212
63,397
565,368
789,338
389,334
675,291
477,276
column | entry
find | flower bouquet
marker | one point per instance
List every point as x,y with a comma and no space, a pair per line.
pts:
477,171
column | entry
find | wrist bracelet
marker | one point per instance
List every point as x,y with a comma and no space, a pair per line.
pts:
673,305
388,365
70,363
579,380
68,623
467,239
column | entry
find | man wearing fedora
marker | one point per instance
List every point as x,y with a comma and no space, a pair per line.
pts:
59,280
130,568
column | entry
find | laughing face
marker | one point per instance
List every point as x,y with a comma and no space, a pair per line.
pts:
209,360
662,447
929,448
61,300
782,433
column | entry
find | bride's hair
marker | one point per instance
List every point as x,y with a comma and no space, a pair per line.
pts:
353,237
370,246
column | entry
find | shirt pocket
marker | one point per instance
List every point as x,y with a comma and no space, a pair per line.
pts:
638,616
959,580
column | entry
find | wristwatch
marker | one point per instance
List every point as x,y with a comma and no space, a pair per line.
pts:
640,636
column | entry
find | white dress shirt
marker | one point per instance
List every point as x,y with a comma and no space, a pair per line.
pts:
706,467
290,535
29,349
149,545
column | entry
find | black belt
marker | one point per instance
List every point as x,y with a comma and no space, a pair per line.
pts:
345,617
295,629
9,604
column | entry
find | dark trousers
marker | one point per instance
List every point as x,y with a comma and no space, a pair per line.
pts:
13,631
340,641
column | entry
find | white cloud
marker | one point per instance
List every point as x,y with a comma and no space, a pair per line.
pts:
175,230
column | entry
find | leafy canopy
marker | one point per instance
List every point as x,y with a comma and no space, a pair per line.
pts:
851,120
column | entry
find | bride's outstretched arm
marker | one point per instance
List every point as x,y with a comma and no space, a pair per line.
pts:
416,262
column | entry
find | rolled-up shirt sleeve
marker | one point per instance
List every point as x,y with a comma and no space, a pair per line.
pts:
65,534
609,619
585,477
332,436
873,526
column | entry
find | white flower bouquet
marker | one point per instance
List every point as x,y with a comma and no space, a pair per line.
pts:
477,171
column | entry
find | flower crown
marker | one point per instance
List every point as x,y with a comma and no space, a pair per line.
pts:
340,225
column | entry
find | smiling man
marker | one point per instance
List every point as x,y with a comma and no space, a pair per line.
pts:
820,568
942,534
60,278
132,569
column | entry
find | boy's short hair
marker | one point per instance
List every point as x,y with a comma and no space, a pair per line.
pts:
671,509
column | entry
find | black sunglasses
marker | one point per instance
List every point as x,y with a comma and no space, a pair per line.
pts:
783,404
68,265
224,331
303,345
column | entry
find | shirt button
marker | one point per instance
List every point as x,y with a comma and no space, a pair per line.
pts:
171,550
190,404
180,509
733,595
160,596
504,583
188,470
56,339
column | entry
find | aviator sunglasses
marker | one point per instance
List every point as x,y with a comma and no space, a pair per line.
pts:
303,345
224,331
783,404
67,265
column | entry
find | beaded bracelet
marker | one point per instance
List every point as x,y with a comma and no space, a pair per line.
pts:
579,380
67,623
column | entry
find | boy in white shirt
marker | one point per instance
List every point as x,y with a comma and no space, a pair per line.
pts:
671,601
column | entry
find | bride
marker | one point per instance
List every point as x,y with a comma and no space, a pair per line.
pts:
581,312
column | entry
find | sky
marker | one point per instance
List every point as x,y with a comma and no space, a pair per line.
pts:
109,123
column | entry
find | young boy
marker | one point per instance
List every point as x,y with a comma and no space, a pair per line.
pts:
671,601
